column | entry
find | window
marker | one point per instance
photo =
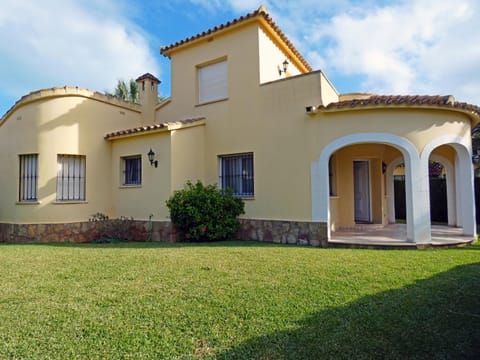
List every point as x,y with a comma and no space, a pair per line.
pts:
236,173
71,177
212,82
28,177
132,170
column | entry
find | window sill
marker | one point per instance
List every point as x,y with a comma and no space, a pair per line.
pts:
28,202
125,186
211,102
245,197
69,202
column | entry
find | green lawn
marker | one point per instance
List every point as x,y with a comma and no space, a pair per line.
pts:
237,300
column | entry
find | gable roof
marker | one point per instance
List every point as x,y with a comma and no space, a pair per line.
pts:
261,15
368,101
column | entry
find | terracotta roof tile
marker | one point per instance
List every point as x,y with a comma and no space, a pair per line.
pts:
443,101
149,128
261,12
148,76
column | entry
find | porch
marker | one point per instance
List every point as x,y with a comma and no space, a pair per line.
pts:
393,236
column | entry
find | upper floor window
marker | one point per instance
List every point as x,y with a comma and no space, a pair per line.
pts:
28,177
71,177
236,173
212,82
132,170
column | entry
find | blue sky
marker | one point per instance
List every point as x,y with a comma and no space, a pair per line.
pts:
388,47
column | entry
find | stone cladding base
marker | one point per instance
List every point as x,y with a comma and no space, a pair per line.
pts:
81,232
274,231
284,232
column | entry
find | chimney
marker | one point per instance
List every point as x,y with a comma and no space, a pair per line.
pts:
148,97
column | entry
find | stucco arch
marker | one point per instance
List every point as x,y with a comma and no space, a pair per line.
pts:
418,210
464,184
451,198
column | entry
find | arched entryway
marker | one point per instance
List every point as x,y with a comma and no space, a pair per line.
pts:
460,193
418,221
449,175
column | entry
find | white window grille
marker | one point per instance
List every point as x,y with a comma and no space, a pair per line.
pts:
71,177
28,177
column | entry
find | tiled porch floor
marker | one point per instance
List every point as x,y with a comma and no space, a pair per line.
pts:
394,236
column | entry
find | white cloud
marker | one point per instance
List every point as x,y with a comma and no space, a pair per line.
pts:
413,46
55,43
392,46
245,5
384,46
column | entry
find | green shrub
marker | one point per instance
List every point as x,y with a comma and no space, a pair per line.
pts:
205,213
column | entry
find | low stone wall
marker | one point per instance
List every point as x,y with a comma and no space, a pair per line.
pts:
81,232
284,232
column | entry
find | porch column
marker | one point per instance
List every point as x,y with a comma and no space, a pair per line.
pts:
451,199
320,192
465,188
417,200
458,192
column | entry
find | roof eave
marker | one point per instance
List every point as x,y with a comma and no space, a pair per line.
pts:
260,16
154,129
168,50
291,51
473,115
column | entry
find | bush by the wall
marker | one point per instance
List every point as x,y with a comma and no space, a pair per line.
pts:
205,213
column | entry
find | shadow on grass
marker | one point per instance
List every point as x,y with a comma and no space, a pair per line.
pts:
436,318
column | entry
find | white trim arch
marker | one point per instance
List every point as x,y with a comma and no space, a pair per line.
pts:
464,183
418,209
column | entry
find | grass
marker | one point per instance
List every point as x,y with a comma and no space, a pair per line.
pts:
237,300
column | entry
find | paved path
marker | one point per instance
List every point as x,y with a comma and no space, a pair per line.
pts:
395,235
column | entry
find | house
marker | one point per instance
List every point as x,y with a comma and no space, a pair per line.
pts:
248,112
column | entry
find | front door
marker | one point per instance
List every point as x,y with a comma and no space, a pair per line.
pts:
361,180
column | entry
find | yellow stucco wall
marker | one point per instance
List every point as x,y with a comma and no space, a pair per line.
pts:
271,57
179,152
266,119
187,147
149,197
59,125
270,121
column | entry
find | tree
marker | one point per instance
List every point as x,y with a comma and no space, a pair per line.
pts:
126,92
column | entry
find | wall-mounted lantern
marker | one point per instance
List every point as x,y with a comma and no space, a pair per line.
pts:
384,167
285,66
151,157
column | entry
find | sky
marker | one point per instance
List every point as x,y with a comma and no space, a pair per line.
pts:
376,46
